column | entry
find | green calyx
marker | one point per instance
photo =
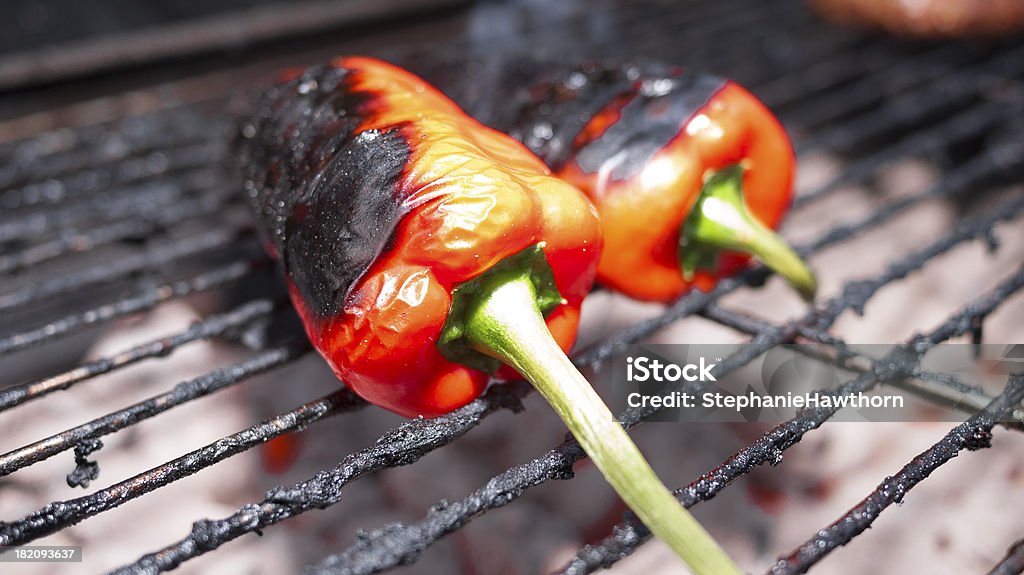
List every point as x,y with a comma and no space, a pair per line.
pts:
720,221
499,318
529,264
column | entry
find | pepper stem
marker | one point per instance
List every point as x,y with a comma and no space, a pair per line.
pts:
503,321
720,220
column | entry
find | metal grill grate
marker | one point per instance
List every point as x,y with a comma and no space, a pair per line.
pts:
152,180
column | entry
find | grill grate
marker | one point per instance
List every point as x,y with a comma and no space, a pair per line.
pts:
975,433
153,180
1014,562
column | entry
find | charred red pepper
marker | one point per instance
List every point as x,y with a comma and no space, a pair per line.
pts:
695,200
689,172
380,198
424,250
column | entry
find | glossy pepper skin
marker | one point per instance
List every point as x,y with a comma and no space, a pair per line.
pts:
645,198
639,140
379,196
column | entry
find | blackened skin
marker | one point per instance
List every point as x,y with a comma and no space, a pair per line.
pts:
546,105
328,197
338,228
492,88
653,115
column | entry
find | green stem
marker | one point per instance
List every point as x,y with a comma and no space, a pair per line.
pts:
720,220
504,321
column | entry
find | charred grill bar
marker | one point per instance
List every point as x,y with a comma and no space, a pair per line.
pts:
975,433
68,194
1013,563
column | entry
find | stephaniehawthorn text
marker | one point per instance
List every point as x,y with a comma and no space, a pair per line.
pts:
718,400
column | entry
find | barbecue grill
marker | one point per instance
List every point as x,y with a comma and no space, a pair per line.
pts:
104,222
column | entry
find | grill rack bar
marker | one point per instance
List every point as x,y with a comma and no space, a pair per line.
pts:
1013,563
974,172
142,300
150,260
183,392
398,544
914,73
402,445
936,387
62,514
210,327
108,234
972,435
908,110
59,515
141,167
959,126
98,147
146,201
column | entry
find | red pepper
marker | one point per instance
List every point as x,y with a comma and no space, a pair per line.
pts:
423,250
683,211
468,197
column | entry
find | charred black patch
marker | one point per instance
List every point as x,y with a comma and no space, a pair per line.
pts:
546,105
652,102
346,218
494,88
557,111
543,104
647,123
327,196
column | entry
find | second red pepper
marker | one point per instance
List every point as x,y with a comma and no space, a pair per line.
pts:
648,217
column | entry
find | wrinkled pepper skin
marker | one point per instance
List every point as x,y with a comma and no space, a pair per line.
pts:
638,140
379,196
